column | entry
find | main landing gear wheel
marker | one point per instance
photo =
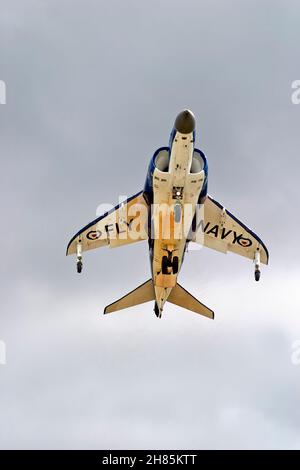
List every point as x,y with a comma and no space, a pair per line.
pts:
175,264
165,265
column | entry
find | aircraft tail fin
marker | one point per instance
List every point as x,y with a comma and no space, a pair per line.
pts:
181,297
143,293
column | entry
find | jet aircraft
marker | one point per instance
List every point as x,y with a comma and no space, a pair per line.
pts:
172,210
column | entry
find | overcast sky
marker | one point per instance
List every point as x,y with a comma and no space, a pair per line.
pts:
93,88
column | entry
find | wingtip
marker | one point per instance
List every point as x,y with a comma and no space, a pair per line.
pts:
68,250
68,247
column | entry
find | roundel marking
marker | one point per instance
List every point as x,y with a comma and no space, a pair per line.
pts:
245,242
93,235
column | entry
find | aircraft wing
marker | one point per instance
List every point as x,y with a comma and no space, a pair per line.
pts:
222,231
124,224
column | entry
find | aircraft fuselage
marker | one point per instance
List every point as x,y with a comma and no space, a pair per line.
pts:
176,183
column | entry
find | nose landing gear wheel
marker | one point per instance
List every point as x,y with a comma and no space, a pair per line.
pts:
257,274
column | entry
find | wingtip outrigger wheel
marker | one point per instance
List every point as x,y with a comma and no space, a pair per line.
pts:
79,258
257,265
79,266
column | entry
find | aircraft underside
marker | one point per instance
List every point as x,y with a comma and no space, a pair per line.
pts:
175,202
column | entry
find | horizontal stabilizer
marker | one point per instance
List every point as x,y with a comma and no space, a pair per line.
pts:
181,297
143,293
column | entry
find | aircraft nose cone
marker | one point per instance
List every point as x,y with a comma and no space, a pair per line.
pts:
185,122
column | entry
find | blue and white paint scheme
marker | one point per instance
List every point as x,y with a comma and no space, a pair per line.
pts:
172,210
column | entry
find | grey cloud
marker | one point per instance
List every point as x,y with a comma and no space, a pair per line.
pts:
92,90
